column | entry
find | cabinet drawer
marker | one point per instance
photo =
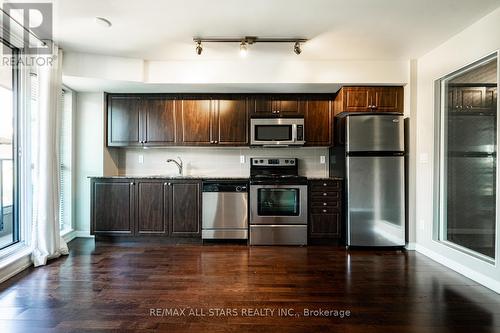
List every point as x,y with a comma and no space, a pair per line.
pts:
321,184
325,204
325,194
324,210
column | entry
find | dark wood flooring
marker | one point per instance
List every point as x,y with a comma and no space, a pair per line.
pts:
108,287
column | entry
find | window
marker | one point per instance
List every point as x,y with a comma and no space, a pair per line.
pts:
9,222
467,155
65,159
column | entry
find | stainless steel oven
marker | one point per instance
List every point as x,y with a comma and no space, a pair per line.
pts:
277,131
278,202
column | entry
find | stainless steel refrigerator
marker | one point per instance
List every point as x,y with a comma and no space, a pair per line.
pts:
369,153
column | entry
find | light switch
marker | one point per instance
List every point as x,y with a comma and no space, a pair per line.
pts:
141,159
242,159
322,159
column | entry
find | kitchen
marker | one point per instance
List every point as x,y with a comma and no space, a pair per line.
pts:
273,166
258,122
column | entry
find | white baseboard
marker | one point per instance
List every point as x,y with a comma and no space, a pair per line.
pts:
68,237
410,246
16,266
461,269
83,234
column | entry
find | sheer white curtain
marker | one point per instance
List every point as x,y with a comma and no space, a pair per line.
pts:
46,239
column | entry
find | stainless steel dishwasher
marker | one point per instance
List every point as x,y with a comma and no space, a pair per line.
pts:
225,209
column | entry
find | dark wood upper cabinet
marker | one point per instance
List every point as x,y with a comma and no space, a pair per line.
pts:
124,123
278,105
466,97
387,99
317,120
230,120
152,206
159,121
194,121
112,210
186,209
263,105
369,99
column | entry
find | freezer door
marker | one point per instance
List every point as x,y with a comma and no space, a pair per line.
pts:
374,133
375,201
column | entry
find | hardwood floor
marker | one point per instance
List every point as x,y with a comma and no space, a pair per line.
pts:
116,288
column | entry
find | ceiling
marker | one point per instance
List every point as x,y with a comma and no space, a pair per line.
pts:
337,29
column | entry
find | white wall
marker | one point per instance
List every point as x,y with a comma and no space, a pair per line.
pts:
477,41
89,152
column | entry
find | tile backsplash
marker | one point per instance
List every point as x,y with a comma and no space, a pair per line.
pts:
214,162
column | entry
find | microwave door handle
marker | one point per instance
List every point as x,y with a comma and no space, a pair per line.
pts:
294,133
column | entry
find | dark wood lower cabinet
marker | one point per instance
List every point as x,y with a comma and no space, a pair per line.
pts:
146,207
325,210
186,209
152,208
112,210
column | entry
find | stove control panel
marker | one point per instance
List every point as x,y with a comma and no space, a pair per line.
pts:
257,161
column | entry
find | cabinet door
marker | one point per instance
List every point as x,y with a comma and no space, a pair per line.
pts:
231,122
152,213
263,104
185,206
471,98
194,121
113,207
490,102
318,123
356,99
288,106
159,118
124,125
387,99
324,225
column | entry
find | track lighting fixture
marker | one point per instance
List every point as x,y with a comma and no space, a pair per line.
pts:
296,48
249,40
243,49
199,48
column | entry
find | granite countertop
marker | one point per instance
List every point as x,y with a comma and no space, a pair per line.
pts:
164,177
325,178
197,177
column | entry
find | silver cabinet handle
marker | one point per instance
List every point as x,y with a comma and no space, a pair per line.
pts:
324,184
216,141
324,210
324,203
324,194
132,183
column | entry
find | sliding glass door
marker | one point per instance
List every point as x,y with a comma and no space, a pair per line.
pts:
8,214
468,158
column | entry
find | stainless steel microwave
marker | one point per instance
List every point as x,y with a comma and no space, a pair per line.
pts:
277,131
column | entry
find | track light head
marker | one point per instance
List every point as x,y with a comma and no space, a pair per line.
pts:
296,48
199,48
243,48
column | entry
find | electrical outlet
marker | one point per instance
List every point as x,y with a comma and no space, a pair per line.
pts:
242,159
141,159
322,159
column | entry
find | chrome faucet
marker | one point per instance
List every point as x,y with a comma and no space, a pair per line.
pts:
179,165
